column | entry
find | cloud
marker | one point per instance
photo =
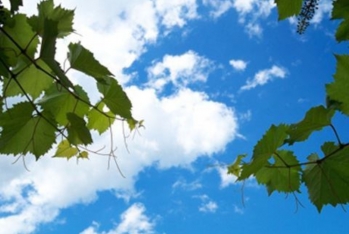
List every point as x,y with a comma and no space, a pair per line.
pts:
219,7
183,184
133,221
207,205
180,70
176,13
264,76
239,65
176,134
238,210
226,179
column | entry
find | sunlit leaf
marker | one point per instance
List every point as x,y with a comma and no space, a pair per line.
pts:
48,51
78,133
60,102
235,168
19,37
99,121
115,98
315,119
265,148
66,150
32,80
338,90
288,8
83,60
47,11
283,175
24,133
328,180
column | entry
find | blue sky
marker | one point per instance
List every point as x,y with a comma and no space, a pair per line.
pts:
208,77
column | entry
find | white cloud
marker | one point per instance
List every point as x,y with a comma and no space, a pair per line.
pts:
226,179
183,184
264,76
170,139
209,207
254,29
238,210
175,13
239,65
219,7
133,221
180,70
324,9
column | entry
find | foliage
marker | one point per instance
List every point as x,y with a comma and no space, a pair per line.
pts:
273,164
39,102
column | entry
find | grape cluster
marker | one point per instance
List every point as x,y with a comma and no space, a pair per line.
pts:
307,13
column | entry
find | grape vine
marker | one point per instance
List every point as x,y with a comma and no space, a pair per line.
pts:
39,102
273,165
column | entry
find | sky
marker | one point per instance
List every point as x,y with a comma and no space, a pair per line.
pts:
208,77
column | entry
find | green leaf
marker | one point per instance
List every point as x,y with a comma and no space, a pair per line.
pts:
340,9
60,102
24,133
329,148
315,119
48,51
115,98
328,180
83,60
78,133
338,89
47,11
235,168
99,121
279,176
288,8
342,33
31,79
265,148
66,150
15,4
19,37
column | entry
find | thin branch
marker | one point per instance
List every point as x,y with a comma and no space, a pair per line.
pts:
336,134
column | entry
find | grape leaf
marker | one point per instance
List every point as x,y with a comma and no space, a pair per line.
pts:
288,8
98,121
235,168
24,133
47,11
329,148
78,133
315,119
338,89
265,148
15,4
340,9
328,180
278,176
32,80
66,150
48,51
115,98
60,102
83,60
342,32
23,36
